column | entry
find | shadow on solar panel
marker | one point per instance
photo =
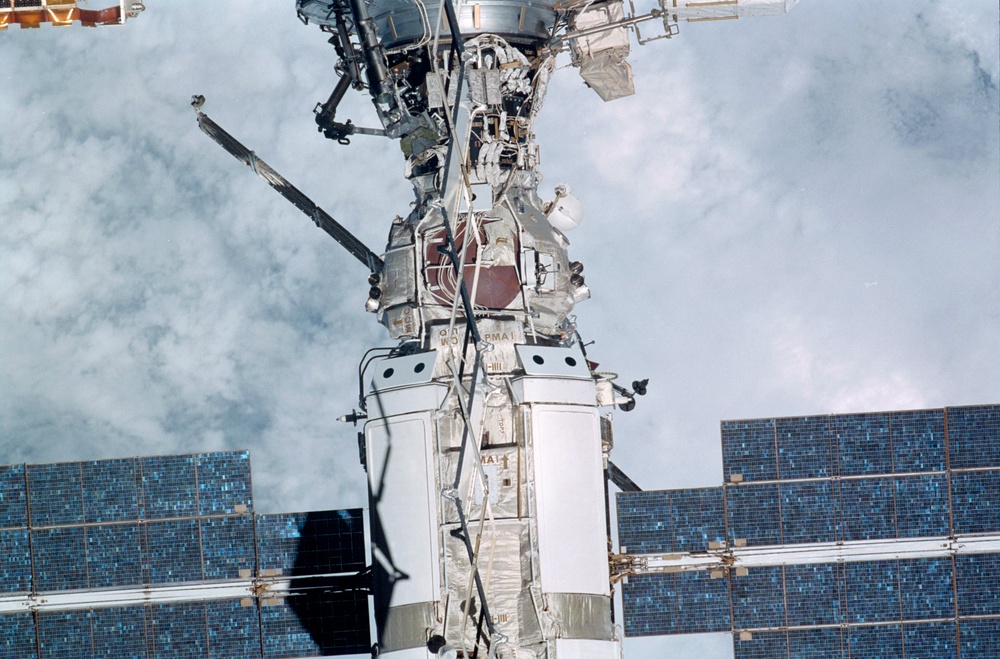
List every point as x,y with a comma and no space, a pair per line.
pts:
853,535
163,557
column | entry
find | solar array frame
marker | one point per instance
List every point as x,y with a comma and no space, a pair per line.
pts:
156,521
840,478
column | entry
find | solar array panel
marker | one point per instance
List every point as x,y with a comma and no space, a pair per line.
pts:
87,548
878,485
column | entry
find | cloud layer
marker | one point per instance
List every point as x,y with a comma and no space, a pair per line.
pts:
793,215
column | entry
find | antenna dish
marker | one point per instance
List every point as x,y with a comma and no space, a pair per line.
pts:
565,212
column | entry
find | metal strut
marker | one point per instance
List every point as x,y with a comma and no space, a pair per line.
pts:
319,216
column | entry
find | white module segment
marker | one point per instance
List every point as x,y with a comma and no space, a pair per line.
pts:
569,499
400,455
575,648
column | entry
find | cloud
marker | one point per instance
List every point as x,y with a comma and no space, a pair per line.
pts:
156,297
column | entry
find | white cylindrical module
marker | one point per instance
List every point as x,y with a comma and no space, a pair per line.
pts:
558,403
400,449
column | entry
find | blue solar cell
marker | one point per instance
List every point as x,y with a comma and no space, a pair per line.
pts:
65,635
17,636
975,497
284,634
644,521
917,441
805,447
174,551
227,546
922,509
815,594
976,579
974,436
749,449
224,483
13,502
59,558
761,645
703,603
980,639
872,591
758,598
869,508
55,494
110,491
650,605
863,444
753,514
15,561
879,641
233,630
336,623
810,512
697,518
926,588
326,542
121,632
179,631
931,640
168,485
826,643
114,555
